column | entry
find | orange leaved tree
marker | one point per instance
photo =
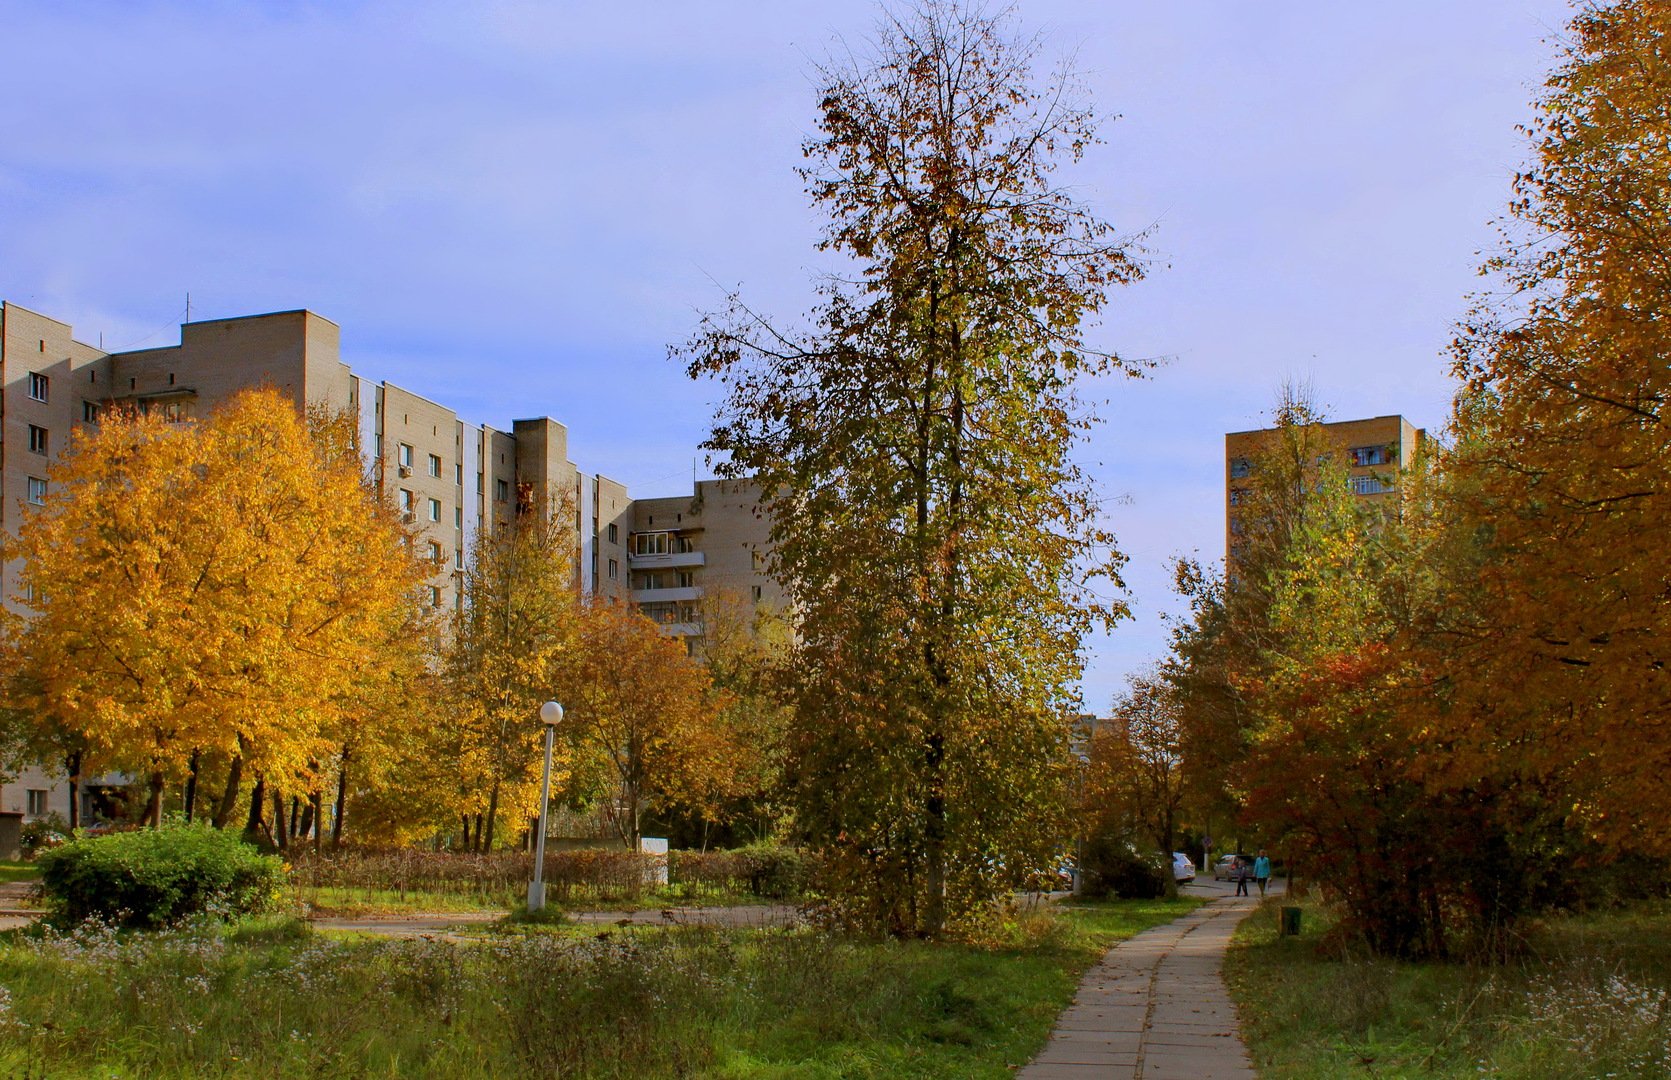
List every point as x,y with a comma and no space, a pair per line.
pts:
204,590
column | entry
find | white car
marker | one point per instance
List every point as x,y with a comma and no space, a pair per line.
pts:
1183,867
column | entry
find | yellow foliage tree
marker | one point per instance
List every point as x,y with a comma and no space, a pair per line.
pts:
208,588
1563,460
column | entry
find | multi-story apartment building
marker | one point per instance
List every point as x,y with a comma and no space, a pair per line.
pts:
708,546
448,477
1375,451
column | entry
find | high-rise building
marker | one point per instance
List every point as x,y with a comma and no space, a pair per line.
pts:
448,477
1375,451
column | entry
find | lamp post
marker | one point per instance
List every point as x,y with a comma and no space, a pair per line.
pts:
551,714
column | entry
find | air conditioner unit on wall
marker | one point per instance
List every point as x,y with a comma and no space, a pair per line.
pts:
406,470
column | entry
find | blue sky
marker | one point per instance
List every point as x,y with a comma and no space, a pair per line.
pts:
514,207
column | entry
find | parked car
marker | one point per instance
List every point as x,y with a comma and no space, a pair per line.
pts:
1225,868
1183,867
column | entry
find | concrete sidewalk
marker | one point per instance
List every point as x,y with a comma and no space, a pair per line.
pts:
1155,1007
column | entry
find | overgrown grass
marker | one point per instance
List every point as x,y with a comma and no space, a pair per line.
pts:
270,998
1590,997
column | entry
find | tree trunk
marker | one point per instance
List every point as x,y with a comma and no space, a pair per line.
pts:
934,839
466,819
342,797
295,816
191,784
304,818
257,796
281,835
318,820
486,838
72,769
229,797
153,806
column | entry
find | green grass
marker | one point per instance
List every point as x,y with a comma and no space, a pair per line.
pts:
273,999
14,870
1590,997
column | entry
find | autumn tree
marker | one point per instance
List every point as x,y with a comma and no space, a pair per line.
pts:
202,592
640,710
1563,454
520,621
929,522
746,648
1134,782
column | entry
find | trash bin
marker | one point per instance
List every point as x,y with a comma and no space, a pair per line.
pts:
1290,922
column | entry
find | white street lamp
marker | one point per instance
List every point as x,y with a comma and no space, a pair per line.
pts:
551,714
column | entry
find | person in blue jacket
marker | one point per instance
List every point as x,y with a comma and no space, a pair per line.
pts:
1262,871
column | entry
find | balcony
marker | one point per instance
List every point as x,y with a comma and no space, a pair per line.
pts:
672,560
667,596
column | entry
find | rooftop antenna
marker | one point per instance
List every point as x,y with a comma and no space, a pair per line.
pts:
188,307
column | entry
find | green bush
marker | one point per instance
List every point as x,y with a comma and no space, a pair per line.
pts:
157,877
1111,867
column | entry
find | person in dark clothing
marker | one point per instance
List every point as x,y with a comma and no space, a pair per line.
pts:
1242,873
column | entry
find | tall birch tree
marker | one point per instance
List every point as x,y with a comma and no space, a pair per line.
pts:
935,534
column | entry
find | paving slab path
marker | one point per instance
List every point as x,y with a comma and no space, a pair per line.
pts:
1156,1007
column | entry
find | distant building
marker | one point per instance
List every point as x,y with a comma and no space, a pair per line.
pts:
1375,452
448,477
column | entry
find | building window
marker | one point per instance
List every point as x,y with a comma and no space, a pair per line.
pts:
37,439
686,545
37,802
1369,455
435,552
458,517
614,570
687,579
458,559
37,386
1240,467
458,475
654,543
404,499
435,596
435,509
1368,485
404,455
89,413
36,490
434,465
1237,495
501,491
757,559
614,534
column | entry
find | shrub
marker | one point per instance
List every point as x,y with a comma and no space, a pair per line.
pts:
42,833
1110,867
764,870
156,877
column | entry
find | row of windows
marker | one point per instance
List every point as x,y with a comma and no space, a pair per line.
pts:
658,543
1359,455
662,579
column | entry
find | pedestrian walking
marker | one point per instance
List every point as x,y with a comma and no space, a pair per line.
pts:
1262,871
1241,874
